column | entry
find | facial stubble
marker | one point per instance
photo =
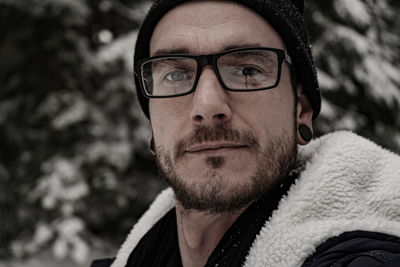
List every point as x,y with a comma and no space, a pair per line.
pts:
218,194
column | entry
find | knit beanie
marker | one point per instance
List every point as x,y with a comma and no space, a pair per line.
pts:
285,16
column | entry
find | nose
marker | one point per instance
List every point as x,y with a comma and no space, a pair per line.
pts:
210,102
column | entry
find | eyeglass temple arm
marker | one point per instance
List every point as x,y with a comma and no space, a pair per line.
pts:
288,59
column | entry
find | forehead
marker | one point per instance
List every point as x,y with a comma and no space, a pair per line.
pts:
198,27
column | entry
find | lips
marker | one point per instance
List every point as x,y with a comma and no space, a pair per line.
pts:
214,146
215,140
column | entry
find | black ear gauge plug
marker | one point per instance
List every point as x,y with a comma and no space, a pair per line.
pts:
305,133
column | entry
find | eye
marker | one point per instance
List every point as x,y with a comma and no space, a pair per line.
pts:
177,76
249,71
246,71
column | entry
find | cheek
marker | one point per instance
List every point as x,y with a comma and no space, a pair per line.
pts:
156,119
162,136
272,105
269,113
165,120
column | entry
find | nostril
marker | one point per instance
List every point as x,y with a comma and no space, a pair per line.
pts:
198,118
220,116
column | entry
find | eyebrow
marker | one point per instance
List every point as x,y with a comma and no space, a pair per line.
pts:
185,51
167,51
242,45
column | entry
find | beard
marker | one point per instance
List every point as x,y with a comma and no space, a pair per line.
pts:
218,195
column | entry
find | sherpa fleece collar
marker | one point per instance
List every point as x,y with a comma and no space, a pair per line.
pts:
346,183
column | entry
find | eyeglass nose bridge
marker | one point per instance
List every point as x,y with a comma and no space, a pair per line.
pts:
204,60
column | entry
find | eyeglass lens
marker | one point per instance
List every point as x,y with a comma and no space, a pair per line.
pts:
240,70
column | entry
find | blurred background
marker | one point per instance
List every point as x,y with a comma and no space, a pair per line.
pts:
75,171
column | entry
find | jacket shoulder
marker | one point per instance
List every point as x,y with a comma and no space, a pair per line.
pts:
357,249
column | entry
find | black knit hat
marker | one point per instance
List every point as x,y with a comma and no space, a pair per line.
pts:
285,16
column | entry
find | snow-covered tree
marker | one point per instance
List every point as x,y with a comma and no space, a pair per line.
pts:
75,172
356,44
74,161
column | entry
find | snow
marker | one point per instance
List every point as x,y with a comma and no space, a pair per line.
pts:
60,185
105,36
328,110
43,234
354,10
347,122
118,152
46,259
378,76
358,52
77,110
351,39
122,47
327,82
134,14
69,241
370,66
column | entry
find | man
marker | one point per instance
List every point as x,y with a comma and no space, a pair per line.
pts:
231,90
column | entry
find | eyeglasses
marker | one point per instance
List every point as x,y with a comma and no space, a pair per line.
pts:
242,70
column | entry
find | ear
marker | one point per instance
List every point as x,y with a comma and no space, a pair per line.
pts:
304,114
151,143
152,146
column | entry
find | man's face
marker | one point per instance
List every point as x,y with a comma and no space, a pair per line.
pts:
218,149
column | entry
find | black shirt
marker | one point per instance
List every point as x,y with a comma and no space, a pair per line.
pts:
159,247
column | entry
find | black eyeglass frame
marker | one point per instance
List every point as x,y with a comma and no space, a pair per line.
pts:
211,59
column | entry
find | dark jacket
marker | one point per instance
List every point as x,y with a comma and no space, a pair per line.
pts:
352,249
344,210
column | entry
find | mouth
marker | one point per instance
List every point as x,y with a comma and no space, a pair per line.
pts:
214,147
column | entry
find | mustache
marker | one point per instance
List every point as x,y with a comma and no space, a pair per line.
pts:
221,132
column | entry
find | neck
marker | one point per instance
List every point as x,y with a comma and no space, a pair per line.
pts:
200,232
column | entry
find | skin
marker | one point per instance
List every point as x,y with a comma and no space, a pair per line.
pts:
202,27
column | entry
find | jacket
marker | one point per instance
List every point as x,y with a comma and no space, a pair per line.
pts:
348,187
